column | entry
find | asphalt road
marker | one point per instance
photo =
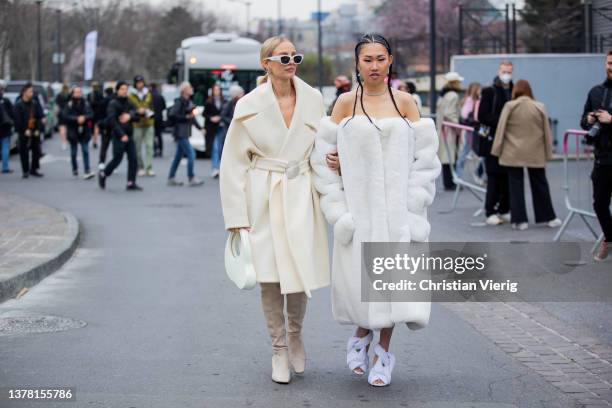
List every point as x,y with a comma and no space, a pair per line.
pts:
165,327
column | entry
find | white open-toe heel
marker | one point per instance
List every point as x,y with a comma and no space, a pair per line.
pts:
382,368
357,355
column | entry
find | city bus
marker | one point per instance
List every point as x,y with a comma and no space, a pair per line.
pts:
216,58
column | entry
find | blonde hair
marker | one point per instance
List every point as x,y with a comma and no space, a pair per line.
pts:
267,48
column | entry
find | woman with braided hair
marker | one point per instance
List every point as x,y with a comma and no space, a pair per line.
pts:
375,162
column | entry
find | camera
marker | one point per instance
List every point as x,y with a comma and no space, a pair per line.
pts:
595,130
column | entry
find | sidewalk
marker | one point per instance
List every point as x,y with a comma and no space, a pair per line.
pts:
35,240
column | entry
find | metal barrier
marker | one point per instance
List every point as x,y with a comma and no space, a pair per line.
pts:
577,200
460,182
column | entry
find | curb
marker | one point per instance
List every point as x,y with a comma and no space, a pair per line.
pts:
27,278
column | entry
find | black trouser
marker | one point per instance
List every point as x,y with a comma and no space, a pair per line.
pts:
25,145
119,148
158,144
540,194
497,199
602,191
106,139
447,177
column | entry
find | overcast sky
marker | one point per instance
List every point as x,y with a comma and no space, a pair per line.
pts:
269,8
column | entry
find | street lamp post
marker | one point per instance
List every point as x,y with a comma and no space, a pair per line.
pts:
247,3
280,18
39,39
58,45
432,56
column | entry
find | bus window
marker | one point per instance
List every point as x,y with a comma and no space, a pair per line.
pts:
203,79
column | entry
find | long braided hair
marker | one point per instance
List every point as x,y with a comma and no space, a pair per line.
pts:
372,38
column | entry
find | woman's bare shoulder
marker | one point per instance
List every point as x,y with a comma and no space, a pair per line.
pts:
343,106
406,105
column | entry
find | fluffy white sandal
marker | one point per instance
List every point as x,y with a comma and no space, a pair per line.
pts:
382,368
357,354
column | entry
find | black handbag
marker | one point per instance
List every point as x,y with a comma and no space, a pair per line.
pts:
6,122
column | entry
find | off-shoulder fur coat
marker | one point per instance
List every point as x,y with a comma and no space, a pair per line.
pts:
382,194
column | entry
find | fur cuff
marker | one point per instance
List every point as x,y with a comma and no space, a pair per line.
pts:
344,229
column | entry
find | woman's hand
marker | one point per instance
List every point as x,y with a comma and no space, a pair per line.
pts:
332,160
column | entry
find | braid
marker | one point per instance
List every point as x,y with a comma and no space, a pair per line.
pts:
393,98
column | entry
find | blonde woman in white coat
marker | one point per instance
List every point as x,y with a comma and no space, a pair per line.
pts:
375,163
266,187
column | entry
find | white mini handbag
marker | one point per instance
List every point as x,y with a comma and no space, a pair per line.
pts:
238,260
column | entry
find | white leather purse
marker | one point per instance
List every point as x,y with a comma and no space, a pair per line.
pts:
239,261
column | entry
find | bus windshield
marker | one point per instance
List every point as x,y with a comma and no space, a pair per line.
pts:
203,79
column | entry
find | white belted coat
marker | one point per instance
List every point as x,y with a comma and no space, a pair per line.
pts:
266,184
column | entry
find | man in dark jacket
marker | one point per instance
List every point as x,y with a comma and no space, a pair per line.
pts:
95,99
105,130
77,116
121,113
212,118
182,115
597,119
7,121
493,99
159,106
29,125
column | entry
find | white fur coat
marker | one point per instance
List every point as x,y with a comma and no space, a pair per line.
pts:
387,183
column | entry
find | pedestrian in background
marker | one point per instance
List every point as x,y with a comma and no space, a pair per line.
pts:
77,116
523,140
105,128
7,121
343,85
227,113
95,99
143,128
412,90
212,118
60,103
597,120
492,101
159,106
29,125
121,114
182,115
448,110
469,107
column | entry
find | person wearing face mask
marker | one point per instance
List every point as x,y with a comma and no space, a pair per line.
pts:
493,99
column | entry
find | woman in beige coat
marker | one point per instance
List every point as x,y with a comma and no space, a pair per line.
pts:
448,109
266,187
523,139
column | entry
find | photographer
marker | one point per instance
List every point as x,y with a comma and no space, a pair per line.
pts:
597,119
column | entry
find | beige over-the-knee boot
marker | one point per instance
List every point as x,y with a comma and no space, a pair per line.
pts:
296,309
272,302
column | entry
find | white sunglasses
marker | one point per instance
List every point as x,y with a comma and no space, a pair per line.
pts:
286,59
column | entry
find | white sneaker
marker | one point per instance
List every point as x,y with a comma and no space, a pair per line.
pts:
505,217
555,223
88,176
150,173
142,173
494,220
214,174
521,226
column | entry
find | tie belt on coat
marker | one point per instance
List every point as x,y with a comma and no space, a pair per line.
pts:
291,169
